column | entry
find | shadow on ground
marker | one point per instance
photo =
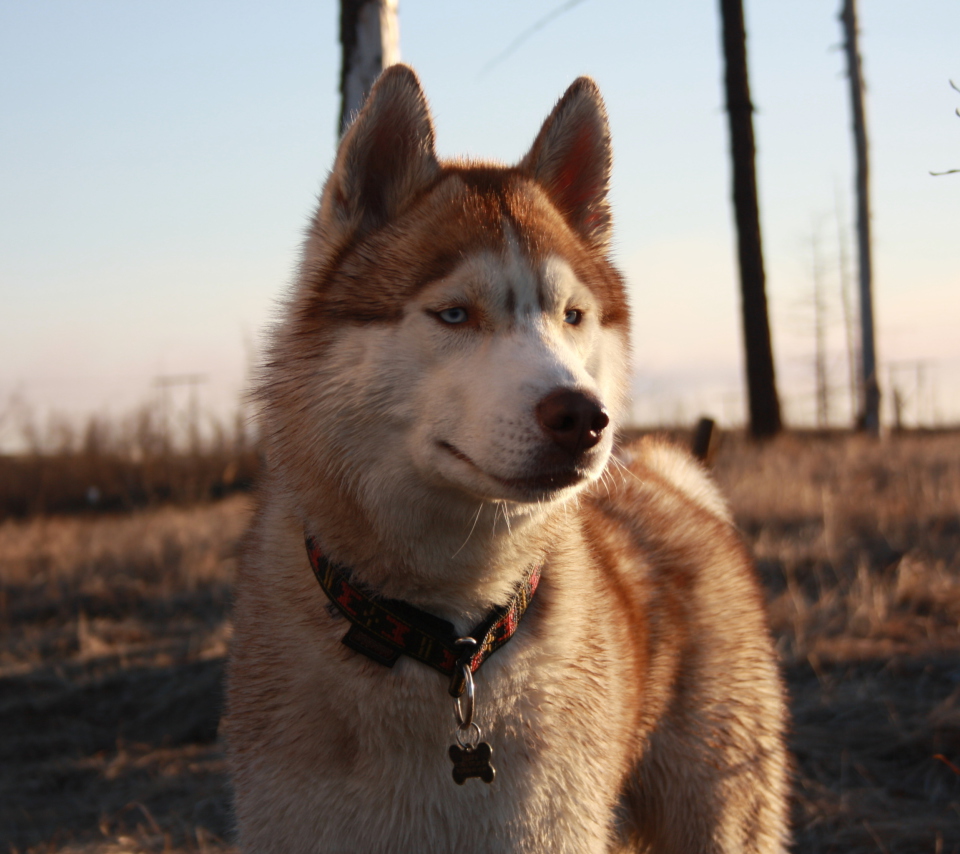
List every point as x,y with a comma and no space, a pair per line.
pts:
102,748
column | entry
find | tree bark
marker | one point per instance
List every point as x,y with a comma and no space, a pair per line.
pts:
849,320
820,338
761,382
370,39
869,418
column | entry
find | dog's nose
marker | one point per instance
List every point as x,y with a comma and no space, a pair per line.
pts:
572,419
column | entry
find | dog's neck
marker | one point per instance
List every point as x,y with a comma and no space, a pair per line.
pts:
446,554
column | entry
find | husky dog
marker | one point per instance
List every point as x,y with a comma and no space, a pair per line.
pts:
580,631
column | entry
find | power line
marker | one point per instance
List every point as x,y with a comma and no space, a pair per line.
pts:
535,27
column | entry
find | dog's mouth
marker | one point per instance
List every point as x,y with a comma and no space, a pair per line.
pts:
547,481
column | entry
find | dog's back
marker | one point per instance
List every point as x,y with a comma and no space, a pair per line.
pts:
438,411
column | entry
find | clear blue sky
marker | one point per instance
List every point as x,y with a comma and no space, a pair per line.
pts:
158,162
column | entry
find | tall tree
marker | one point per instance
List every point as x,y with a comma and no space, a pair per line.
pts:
761,381
820,336
869,418
849,315
370,39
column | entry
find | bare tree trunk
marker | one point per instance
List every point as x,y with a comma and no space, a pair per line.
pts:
761,382
870,414
820,337
370,38
849,321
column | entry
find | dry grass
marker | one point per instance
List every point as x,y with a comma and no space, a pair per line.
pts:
858,543
114,635
132,461
114,631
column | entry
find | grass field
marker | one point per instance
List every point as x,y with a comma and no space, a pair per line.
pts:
114,631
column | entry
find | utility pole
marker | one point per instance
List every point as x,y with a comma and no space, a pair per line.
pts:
192,381
370,39
761,381
869,418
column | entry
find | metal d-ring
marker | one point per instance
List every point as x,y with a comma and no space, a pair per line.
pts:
465,717
464,713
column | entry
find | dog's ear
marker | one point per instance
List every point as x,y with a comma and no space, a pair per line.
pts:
386,156
571,160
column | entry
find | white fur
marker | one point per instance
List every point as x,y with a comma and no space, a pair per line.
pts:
639,704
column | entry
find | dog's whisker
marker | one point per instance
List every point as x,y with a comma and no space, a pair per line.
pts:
470,533
604,481
628,471
496,514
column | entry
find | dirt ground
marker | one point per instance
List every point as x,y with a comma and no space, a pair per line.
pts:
115,628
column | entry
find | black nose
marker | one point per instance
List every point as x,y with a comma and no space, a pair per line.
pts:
572,419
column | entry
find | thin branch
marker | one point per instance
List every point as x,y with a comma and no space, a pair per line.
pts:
536,27
950,171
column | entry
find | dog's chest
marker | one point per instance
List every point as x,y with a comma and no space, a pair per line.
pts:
546,794
554,784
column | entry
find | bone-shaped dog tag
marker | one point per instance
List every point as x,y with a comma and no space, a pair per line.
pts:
472,762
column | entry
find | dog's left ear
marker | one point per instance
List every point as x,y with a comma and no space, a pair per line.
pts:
571,160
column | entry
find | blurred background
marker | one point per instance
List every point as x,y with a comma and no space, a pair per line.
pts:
160,161
158,165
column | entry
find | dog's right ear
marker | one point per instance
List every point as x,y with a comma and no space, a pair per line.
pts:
386,155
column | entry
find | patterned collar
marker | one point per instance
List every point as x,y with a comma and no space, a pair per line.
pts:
385,629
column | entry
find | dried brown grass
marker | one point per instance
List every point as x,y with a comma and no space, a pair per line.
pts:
114,631
858,542
114,635
133,461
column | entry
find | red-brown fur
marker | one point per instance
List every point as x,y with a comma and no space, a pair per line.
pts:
638,707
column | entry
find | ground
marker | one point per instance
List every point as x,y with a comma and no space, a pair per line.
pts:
115,627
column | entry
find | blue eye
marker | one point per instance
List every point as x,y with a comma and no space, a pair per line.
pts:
453,315
573,316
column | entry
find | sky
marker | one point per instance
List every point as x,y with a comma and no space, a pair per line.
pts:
159,162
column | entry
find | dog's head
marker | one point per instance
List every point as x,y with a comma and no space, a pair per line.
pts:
457,328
